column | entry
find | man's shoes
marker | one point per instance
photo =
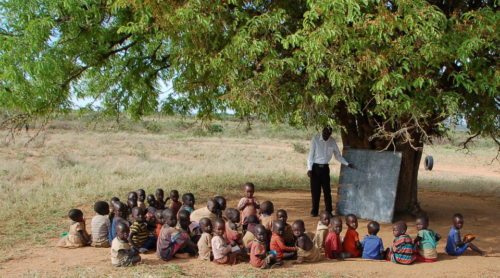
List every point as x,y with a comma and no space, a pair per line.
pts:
314,214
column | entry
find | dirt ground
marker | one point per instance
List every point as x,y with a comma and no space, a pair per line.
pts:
481,217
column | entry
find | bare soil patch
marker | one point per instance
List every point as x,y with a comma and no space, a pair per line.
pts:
481,218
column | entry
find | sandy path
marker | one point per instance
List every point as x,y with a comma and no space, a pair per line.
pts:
481,217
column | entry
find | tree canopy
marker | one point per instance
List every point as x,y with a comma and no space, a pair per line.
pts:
382,69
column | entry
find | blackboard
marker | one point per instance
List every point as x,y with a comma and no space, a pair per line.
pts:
369,190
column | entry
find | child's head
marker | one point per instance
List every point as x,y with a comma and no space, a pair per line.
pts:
174,195
151,215
138,214
252,219
114,201
458,221
249,189
159,217
122,231
298,228
159,194
279,227
221,201
219,226
336,225
373,228
324,218
75,215
132,199
188,199
121,210
399,228
260,233
151,200
212,206
169,218
184,219
422,222
101,207
233,215
351,221
267,207
282,215
206,225
141,195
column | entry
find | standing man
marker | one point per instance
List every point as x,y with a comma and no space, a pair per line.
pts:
323,146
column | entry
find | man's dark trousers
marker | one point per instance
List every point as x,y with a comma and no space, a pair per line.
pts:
320,178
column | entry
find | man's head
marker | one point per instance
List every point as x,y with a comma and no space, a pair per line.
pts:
326,133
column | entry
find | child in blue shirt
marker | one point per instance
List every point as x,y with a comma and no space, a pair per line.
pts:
373,247
455,246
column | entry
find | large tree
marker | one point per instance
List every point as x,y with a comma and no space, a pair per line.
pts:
388,73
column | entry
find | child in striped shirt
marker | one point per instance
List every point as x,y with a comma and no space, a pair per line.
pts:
139,233
402,250
100,225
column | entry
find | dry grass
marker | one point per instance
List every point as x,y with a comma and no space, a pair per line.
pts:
72,165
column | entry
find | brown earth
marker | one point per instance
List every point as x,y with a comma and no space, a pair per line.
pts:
481,217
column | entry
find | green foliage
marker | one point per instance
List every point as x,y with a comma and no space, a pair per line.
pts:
378,73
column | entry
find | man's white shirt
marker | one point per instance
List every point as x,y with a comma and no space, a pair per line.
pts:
322,151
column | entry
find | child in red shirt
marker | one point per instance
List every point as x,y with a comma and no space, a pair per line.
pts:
333,244
351,243
258,255
278,244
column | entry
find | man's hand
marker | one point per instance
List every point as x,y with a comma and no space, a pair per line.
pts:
350,165
309,173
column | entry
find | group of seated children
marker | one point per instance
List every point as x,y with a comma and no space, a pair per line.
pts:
251,232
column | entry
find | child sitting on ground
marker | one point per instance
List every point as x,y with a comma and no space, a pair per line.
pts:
248,205
205,242
277,244
190,227
221,205
187,202
141,197
160,201
221,250
232,235
159,222
455,246
100,225
113,204
402,250
121,252
77,235
351,243
282,215
307,252
121,211
131,203
426,241
151,200
139,234
258,252
210,212
267,216
171,240
175,204
322,230
252,222
333,244
373,247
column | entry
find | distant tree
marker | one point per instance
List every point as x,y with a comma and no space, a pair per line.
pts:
386,72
